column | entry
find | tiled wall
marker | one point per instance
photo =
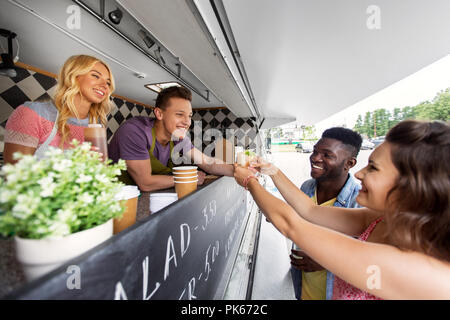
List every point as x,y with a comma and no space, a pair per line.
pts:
31,86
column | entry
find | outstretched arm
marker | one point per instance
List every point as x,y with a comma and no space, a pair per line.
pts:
351,222
210,165
379,269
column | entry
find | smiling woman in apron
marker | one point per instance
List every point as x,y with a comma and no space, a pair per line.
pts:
147,144
85,84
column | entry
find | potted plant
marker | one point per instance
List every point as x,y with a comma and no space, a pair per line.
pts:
58,207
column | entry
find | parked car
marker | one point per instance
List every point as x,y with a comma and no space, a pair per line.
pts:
377,141
304,147
367,145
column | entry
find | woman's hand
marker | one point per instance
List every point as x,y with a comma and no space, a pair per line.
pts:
240,173
263,166
97,149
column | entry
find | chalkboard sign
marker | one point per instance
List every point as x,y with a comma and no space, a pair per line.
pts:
180,252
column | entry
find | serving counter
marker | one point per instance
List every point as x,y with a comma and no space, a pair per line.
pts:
184,251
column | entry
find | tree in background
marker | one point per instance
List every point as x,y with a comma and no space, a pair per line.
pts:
367,128
309,133
396,117
438,109
381,118
378,122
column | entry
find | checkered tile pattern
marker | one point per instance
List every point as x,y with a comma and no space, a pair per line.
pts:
243,129
123,110
31,86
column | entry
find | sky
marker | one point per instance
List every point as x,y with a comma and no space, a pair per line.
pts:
418,87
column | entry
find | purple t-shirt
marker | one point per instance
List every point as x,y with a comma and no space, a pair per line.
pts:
133,140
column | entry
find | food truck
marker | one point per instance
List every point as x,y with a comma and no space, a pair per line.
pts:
250,65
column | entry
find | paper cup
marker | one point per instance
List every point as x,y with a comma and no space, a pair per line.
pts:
185,174
184,169
184,188
130,195
159,201
184,179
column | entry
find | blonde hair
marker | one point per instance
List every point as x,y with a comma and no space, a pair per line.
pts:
68,88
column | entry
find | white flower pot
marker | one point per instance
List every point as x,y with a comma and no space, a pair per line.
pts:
40,256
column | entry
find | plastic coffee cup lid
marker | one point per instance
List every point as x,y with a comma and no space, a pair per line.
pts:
127,192
95,125
184,168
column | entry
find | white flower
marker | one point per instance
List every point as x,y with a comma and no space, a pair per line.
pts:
12,178
86,198
46,181
85,146
47,186
101,178
53,152
65,215
62,165
21,211
25,162
58,229
83,178
48,190
6,195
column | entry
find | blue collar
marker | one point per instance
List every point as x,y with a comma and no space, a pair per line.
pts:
346,196
348,190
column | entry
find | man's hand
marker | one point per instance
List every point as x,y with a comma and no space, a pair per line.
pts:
304,263
201,177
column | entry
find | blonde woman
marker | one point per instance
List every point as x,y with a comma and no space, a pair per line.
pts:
85,84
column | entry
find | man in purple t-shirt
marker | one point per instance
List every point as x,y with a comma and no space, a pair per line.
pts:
145,144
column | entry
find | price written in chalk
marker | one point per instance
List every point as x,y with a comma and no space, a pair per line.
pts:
209,212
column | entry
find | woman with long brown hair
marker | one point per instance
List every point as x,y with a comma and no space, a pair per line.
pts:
402,250
85,84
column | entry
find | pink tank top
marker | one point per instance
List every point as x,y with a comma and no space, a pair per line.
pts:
345,291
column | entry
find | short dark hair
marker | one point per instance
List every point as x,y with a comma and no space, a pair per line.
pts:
348,137
172,92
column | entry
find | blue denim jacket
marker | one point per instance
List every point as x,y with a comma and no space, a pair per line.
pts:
346,198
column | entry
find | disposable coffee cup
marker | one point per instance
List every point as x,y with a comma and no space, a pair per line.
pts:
159,201
185,174
183,188
184,169
128,194
96,135
194,177
185,177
